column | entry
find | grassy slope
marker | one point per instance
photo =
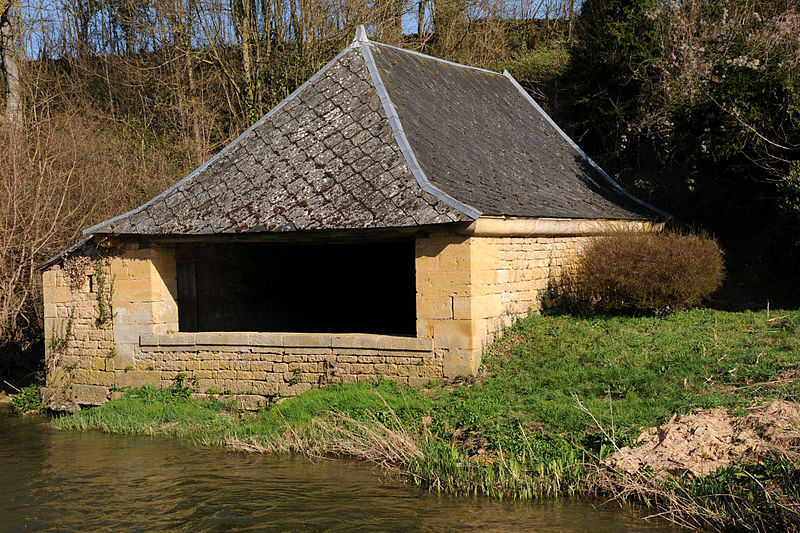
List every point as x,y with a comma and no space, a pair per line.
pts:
516,429
645,369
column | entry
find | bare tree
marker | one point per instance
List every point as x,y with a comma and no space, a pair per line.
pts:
8,60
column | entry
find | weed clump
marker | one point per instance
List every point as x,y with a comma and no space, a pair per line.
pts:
28,399
639,273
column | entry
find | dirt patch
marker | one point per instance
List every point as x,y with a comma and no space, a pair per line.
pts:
707,439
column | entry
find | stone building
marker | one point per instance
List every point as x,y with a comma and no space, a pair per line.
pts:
384,220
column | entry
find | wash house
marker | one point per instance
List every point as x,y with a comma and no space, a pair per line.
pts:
384,220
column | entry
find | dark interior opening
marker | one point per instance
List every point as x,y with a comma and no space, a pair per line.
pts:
330,288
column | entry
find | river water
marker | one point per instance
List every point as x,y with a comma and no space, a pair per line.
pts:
89,481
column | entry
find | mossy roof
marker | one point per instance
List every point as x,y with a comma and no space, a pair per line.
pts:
384,137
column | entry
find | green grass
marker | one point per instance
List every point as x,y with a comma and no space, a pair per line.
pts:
516,429
629,372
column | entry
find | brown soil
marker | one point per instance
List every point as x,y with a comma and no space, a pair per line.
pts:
707,439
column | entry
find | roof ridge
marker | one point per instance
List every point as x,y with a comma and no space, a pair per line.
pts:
401,139
426,56
218,155
583,154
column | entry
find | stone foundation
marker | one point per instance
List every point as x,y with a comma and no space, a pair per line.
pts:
275,365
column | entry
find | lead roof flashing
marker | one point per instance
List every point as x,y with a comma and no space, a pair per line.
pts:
402,140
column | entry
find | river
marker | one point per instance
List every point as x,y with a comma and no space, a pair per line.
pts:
89,481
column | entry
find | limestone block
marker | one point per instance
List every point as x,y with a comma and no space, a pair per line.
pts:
250,402
425,328
261,366
486,306
89,394
307,340
132,313
166,312
206,384
266,388
118,269
434,306
241,365
462,307
355,341
138,269
266,339
453,333
287,390
222,339
455,258
427,263
137,378
460,361
416,344
134,290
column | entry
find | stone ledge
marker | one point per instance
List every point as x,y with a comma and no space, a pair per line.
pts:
221,340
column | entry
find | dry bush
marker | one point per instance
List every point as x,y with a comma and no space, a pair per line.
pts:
69,170
639,273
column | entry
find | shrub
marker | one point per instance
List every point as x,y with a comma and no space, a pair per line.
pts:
28,399
639,273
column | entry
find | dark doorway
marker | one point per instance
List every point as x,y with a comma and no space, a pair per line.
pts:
331,288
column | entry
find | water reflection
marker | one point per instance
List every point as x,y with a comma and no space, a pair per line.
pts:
72,481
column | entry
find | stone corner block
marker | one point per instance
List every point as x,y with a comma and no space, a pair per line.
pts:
124,359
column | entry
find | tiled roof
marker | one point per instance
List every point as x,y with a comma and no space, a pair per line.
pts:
478,137
383,137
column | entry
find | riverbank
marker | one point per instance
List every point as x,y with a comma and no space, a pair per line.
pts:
556,395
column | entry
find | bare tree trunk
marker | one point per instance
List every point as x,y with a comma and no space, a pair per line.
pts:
298,31
571,21
420,18
8,58
278,22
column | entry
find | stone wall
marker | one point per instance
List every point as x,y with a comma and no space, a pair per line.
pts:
262,366
89,357
79,349
510,274
93,323
470,286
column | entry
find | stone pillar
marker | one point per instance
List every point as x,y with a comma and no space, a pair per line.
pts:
444,301
144,298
